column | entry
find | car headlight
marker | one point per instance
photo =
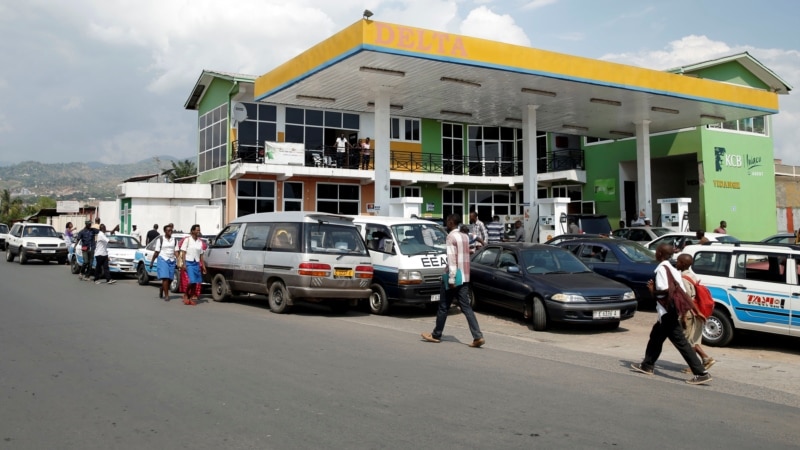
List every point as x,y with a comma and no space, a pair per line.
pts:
409,277
568,298
115,260
30,244
63,244
630,295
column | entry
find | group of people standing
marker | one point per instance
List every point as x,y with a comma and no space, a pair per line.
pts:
364,147
93,243
186,256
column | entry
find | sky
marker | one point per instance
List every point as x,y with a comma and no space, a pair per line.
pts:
106,80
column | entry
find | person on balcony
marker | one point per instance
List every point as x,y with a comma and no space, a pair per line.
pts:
366,152
342,145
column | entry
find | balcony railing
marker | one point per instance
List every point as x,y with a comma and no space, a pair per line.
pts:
404,161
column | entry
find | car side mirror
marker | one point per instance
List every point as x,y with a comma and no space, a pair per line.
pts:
513,269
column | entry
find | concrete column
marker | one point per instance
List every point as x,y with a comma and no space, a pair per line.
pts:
529,166
381,153
643,181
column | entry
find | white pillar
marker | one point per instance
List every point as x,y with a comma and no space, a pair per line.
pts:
529,166
643,181
381,152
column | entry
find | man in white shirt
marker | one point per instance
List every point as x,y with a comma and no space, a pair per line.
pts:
341,148
101,257
191,252
137,234
165,252
668,325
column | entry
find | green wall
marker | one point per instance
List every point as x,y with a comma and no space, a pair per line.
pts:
731,72
217,93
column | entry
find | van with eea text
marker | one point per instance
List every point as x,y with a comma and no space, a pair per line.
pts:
409,258
291,257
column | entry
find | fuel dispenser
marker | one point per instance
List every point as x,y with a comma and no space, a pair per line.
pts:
675,213
552,217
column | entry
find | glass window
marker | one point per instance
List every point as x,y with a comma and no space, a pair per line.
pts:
711,263
247,188
255,197
338,198
761,267
227,236
294,133
487,257
292,196
333,119
255,236
285,237
394,132
314,117
294,115
266,132
333,239
351,121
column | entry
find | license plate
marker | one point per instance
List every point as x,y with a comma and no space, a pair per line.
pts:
342,273
48,251
606,314
435,297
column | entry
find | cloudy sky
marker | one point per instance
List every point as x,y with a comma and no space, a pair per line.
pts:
106,80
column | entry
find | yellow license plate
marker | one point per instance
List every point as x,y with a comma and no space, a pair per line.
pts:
343,273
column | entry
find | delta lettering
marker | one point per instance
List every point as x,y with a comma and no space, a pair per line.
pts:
419,40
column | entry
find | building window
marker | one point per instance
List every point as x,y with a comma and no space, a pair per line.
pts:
213,139
495,203
492,150
259,127
452,202
588,140
403,129
254,197
292,196
755,125
316,128
406,191
452,148
338,198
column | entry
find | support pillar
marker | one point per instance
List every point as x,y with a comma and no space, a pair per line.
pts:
382,156
643,181
530,169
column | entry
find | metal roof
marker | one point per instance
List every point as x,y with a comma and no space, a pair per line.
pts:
205,79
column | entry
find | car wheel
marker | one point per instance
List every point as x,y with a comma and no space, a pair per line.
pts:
219,288
718,330
23,258
9,255
539,315
378,302
279,298
74,267
141,275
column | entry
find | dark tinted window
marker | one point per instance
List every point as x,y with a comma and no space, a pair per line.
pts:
294,115
487,257
227,236
711,263
255,236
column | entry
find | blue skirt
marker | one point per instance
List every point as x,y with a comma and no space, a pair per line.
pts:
193,272
165,268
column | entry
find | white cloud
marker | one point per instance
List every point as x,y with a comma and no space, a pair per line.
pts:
484,23
572,36
694,49
5,124
536,4
73,103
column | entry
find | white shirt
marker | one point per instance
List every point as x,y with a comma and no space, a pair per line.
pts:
166,247
193,248
138,235
341,143
662,282
101,248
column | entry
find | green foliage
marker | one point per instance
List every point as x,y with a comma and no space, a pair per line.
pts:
182,169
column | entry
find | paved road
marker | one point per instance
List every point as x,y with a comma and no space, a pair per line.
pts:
87,366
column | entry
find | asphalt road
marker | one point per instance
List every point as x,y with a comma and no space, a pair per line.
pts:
86,366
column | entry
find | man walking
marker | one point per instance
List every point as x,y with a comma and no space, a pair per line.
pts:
101,257
86,240
668,325
152,234
455,284
477,228
138,235
693,321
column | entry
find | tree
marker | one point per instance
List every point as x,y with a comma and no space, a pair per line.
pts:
182,169
5,203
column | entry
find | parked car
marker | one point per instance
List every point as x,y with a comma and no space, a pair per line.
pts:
547,284
625,261
35,241
754,287
640,234
121,252
780,238
3,236
681,239
568,237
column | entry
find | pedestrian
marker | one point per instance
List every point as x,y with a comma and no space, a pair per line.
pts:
693,322
137,235
574,228
366,153
164,250
191,254
68,235
494,231
668,326
519,232
101,257
152,234
723,228
455,284
342,145
701,237
86,240
96,225
477,228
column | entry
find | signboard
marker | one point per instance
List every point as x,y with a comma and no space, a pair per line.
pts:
68,207
372,208
429,207
286,153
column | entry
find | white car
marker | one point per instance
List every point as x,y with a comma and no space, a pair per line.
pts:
681,239
3,235
35,241
121,251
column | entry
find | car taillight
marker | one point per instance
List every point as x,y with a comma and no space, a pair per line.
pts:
363,271
314,269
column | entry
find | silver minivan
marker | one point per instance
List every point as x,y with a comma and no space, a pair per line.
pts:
290,257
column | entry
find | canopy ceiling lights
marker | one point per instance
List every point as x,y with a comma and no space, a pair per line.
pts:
603,101
621,133
455,113
380,71
712,117
395,107
538,92
314,98
460,81
664,110
574,127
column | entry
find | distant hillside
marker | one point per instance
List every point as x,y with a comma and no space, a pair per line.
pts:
75,181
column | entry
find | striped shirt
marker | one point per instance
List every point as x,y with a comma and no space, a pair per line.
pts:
495,231
457,255
479,230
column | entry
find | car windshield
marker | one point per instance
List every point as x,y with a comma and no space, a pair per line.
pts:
637,252
329,238
420,238
123,242
547,261
40,231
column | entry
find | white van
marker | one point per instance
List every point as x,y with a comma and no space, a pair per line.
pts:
409,258
291,256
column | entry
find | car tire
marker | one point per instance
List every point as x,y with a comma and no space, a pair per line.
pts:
378,301
141,275
539,315
220,291
718,330
279,298
9,255
23,258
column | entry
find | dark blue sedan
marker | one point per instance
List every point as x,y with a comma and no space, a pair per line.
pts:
547,284
625,261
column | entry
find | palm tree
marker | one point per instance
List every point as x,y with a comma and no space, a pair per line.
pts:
182,169
5,203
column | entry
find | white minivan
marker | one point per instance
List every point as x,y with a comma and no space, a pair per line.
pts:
291,256
408,257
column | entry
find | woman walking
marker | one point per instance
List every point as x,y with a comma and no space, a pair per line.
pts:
191,253
165,252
